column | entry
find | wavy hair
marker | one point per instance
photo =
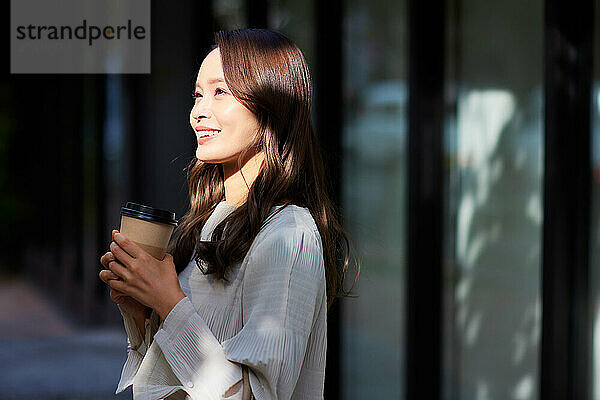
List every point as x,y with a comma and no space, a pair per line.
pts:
268,74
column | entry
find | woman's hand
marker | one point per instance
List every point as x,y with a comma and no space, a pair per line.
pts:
151,282
127,303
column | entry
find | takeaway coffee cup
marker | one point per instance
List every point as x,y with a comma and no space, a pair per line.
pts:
149,227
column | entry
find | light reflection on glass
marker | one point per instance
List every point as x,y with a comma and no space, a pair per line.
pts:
493,220
497,231
374,197
595,211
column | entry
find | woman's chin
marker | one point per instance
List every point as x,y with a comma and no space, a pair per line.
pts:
202,155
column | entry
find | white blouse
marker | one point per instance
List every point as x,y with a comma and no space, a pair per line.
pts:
271,316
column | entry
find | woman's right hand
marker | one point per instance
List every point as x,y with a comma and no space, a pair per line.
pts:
127,303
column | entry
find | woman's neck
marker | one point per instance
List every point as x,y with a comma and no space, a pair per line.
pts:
236,190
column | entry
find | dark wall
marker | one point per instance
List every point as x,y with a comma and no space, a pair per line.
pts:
74,148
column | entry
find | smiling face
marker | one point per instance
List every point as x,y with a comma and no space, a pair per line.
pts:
216,111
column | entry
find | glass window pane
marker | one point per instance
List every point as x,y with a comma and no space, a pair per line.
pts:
494,182
595,208
292,17
374,198
229,14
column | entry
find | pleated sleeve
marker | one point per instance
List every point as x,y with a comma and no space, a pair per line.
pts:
283,287
136,346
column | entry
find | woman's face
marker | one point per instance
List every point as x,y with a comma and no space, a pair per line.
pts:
216,110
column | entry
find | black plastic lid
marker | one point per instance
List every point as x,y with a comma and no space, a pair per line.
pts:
148,213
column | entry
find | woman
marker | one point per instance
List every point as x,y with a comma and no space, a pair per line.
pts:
257,260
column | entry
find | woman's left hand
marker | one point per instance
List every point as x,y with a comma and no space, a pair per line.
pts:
150,281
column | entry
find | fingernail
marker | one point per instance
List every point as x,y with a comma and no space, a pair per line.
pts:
113,245
110,255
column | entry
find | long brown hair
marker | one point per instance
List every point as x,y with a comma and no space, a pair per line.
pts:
267,73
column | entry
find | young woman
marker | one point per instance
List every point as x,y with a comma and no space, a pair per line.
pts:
259,257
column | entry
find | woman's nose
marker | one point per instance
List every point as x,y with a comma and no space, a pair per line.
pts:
201,109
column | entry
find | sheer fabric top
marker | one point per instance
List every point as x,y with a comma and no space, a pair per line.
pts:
271,316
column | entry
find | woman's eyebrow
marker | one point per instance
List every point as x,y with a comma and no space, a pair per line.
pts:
211,81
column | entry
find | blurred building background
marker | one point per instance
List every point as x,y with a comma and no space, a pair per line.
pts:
463,137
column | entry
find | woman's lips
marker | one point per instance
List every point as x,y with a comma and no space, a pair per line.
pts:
200,128
206,133
205,139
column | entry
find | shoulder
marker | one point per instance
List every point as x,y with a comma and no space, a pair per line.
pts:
289,234
289,223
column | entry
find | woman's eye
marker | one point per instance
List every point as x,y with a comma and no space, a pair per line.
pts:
196,95
220,91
